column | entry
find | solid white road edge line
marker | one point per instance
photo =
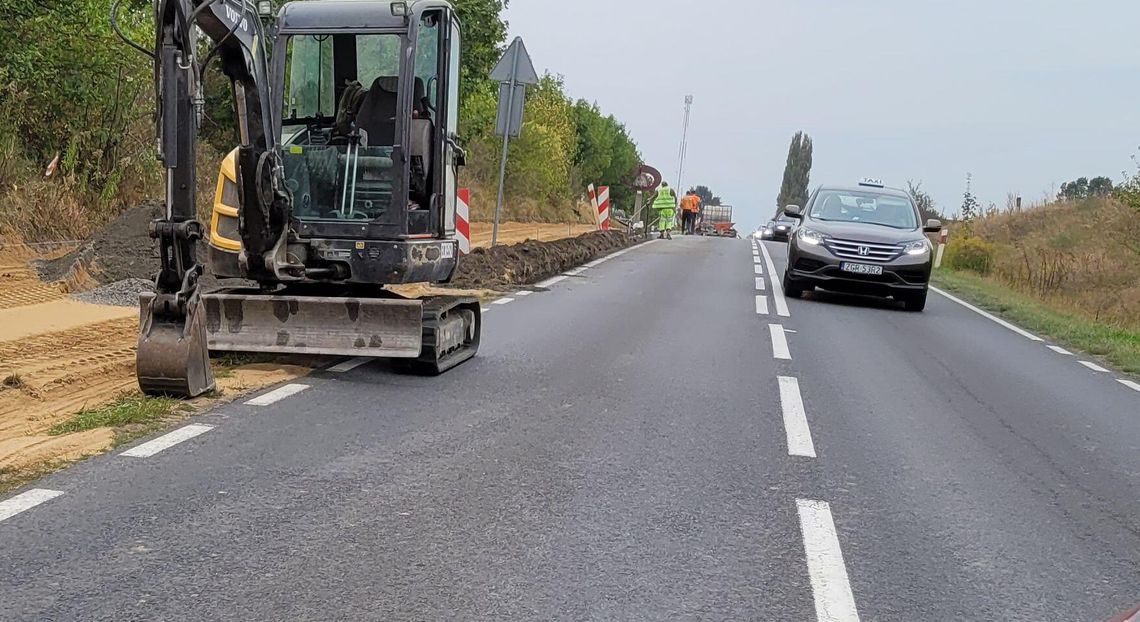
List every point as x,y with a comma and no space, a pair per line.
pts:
350,364
26,501
795,419
779,342
761,305
759,284
277,394
777,287
503,301
551,281
1128,383
830,586
1060,350
167,441
575,271
1024,333
1093,366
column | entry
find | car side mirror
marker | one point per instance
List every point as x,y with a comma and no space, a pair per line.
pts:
932,226
794,211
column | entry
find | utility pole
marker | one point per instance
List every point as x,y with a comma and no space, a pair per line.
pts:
684,145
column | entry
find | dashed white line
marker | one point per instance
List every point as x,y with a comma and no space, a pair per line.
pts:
1093,366
350,364
830,586
1024,333
795,419
777,288
503,301
1060,350
761,305
779,342
277,394
1128,383
759,284
167,441
484,309
523,292
551,281
758,269
575,271
26,501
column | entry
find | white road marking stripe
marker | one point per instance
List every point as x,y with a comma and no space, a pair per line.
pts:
350,364
779,342
523,292
761,305
503,301
484,309
990,316
830,586
167,441
758,269
777,288
575,271
26,501
1128,383
759,284
1060,350
277,394
1093,366
551,281
795,419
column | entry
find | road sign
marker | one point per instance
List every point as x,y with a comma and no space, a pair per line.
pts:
511,102
515,65
513,71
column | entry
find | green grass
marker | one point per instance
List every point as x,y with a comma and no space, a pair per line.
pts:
1119,346
131,415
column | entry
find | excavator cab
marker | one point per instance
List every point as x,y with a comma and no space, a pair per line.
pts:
344,182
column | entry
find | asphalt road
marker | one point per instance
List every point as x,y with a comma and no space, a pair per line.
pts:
634,442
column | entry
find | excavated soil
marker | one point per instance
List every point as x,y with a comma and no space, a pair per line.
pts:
503,267
121,250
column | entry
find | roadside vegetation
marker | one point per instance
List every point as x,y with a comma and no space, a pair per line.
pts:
77,136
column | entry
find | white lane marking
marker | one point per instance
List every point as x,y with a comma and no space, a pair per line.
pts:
523,292
761,305
166,441
575,271
759,283
484,309
1093,366
795,419
1060,350
1024,333
551,281
277,394
830,586
779,342
1128,383
777,287
758,269
350,364
26,501
503,301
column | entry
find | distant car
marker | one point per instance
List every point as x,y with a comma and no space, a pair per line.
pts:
781,227
865,239
758,234
765,232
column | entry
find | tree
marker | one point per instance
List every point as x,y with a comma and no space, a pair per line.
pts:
922,200
970,208
797,173
1074,190
706,195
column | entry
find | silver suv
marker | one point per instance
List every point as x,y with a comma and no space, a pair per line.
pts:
865,239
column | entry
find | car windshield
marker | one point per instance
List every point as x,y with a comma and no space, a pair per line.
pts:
871,208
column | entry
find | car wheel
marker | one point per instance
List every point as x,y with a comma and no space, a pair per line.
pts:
915,302
792,289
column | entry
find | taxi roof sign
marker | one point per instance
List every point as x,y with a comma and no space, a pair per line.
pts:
872,182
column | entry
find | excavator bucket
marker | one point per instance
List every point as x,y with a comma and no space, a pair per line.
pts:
172,357
345,326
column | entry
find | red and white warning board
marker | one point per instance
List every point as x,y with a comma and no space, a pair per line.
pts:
463,220
600,199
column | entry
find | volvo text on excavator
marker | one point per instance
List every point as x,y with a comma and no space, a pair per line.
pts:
343,182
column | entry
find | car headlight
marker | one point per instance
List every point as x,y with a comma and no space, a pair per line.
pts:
810,236
917,247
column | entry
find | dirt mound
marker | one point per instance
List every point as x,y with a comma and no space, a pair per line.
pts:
121,250
503,267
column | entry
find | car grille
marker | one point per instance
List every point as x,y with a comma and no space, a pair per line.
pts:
863,251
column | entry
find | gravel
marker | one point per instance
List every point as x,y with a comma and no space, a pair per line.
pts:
124,293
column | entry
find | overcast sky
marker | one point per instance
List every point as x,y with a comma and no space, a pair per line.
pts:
1024,94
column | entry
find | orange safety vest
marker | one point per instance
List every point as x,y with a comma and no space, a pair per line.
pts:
690,203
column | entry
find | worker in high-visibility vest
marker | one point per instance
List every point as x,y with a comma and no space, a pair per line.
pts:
690,205
666,206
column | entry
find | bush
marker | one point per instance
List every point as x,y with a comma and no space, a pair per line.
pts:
970,253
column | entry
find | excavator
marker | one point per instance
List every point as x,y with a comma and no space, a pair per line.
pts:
343,183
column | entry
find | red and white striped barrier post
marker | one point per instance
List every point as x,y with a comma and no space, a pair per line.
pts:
603,205
942,235
463,220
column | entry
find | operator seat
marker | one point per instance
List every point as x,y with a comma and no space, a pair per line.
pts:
377,115
377,118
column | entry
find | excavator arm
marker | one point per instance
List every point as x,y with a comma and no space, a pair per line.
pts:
173,357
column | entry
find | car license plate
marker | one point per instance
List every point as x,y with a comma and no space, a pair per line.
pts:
860,268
